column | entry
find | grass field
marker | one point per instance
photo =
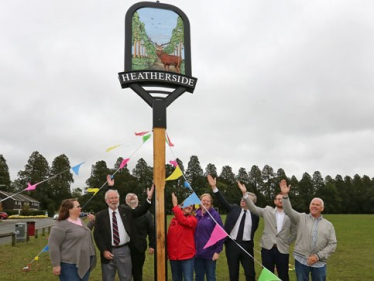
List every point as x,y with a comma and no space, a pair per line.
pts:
353,260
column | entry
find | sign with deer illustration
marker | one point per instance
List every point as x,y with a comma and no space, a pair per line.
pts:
157,47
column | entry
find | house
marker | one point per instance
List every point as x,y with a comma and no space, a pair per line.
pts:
17,201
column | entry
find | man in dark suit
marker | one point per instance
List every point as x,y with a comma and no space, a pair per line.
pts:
112,234
143,226
241,225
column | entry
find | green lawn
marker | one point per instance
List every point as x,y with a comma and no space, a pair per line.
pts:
353,260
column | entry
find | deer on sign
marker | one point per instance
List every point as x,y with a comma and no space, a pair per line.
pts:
167,59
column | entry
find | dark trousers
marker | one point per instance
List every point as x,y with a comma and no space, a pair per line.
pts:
137,259
273,258
236,255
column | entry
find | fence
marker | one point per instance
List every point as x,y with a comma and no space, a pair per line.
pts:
13,234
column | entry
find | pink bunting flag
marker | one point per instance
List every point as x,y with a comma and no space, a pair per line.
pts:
169,141
217,234
30,187
141,133
124,162
174,163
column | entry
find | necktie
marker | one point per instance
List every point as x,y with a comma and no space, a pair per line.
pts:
115,229
239,237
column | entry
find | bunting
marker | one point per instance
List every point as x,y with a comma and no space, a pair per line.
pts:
112,147
267,275
168,141
141,133
30,187
76,168
146,137
186,184
94,190
124,162
191,200
175,175
217,234
174,163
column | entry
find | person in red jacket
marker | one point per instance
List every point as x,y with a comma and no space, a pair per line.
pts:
181,241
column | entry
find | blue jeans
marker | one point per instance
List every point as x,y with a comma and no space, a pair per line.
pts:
302,272
205,266
182,268
69,272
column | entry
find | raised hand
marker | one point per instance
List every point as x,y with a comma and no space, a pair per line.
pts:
109,180
242,187
150,192
283,187
212,181
174,199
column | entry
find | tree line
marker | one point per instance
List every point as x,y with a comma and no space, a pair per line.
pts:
342,195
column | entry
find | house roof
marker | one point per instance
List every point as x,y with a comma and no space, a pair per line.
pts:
17,197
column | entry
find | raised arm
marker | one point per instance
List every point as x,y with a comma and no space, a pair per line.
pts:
287,207
251,206
212,182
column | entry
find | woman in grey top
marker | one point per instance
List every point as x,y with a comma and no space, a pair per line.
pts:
70,244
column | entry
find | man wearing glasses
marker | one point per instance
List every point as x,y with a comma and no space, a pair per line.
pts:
279,232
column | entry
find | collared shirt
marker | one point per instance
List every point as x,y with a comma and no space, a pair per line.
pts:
123,236
303,260
247,226
77,222
280,219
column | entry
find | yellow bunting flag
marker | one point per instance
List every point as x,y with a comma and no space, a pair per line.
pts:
175,175
112,147
94,190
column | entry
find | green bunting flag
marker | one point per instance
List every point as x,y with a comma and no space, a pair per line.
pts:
267,275
146,137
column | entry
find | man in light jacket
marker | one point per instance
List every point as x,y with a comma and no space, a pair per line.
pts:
279,232
315,241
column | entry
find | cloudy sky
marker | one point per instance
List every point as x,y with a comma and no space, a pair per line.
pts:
283,83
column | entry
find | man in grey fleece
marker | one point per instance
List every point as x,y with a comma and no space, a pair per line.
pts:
315,241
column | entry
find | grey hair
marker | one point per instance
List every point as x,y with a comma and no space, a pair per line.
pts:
252,196
106,193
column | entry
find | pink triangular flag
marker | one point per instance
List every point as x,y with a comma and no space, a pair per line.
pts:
30,187
141,133
217,234
124,162
174,163
169,141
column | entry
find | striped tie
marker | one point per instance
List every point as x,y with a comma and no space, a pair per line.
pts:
115,230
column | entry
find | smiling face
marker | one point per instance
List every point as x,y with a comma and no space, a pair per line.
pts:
112,199
206,200
316,207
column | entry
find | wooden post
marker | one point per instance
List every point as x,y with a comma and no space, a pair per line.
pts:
159,181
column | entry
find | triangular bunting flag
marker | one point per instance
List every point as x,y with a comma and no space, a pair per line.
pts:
267,275
186,184
30,187
174,163
168,141
217,234
146,137
112,147
141,133
94,190
76,168
46,248
124,162
175,175
191,200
